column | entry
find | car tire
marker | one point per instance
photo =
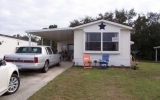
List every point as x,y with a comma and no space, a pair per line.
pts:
45,68
59,63
13,84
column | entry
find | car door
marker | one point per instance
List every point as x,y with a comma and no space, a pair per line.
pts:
3,78
56,55
51,56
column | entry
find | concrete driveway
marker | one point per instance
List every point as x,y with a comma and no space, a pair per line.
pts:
32,81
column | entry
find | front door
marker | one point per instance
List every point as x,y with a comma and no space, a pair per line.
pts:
70,51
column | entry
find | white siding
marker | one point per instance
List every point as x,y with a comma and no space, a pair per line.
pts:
78,46
117,59
125,44
9,45
63,43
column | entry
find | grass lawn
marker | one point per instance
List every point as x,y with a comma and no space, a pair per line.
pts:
111,84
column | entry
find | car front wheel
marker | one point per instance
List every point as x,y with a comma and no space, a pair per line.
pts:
13,84
59,63
45,68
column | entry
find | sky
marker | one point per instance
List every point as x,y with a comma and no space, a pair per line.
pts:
16,16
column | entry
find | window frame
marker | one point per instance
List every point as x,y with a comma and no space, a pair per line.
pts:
28,50
54,50
85,40
101,51
48,48
109,41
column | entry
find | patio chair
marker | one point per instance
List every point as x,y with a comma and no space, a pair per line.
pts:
87,62
104,62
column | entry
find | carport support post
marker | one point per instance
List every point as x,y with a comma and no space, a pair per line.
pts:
156,54
29,39
41,41
51,43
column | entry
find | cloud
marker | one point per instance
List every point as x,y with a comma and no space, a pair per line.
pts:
20,15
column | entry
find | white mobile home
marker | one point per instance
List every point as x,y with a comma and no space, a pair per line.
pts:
95,38
9,44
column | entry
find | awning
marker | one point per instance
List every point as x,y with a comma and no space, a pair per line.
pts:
156,53
54,34
156,47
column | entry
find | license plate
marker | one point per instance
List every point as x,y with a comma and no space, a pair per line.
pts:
19,66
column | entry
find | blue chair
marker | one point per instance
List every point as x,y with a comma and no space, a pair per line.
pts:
104,62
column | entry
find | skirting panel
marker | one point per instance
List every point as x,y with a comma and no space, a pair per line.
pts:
112,62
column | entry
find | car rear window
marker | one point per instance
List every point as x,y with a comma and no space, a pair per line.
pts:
29,50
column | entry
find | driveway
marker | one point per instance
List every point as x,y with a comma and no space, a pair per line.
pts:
32,81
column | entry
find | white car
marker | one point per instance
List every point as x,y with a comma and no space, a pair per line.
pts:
9,78
34,57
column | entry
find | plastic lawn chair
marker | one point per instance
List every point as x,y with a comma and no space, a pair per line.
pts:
87,62
104,62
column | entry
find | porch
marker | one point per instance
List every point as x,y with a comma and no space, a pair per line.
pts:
63,37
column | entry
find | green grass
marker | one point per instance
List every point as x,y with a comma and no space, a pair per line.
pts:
111,84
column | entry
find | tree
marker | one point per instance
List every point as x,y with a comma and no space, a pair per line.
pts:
130,15
75,23
146,34
120,16
87,19
18,36
25,37
45,28
53,26
14,35
100,16
109,16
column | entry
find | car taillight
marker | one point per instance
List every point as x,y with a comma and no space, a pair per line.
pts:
4,58
35,59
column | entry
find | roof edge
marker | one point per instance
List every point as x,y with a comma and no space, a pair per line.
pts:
52,29
8,36
109,22
80,26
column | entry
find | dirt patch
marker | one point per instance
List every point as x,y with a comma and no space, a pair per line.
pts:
76,73
157,77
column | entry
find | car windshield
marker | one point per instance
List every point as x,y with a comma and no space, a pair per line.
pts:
29,50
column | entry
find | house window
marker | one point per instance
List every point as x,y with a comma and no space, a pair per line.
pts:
93,41
110,42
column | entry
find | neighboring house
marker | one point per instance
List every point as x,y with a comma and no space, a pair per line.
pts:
9,44
95,38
